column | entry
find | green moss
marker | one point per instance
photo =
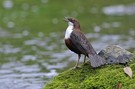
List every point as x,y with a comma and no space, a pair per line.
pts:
106,77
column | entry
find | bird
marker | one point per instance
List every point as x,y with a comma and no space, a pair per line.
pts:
76,41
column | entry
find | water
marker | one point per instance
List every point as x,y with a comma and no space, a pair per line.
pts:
8,4
120,10
20,74
29,61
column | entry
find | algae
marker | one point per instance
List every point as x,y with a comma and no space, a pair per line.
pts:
105,77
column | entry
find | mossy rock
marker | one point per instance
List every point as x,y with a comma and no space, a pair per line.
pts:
105,77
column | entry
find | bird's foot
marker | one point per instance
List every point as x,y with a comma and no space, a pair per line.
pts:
86,63
76,67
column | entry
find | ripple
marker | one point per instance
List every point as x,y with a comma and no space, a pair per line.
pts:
104,40
19,84
132,32
119,10
51,55
97,29
111,25
61,55
4,33
35,42
52,73
27,69
8,4
28,57
21,35
55,66
41,34
25,33
10,24
8,49
20,76
3,71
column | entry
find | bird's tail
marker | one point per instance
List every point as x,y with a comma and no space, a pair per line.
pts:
96,60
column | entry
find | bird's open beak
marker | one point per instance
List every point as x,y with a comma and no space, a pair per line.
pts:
66,19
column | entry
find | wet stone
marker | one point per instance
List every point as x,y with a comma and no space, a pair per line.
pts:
115,54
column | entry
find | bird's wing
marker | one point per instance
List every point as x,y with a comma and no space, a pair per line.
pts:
81,42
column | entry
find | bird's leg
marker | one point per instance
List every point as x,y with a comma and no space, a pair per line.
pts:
84,59
76,66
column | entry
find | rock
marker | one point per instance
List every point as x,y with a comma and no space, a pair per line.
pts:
115,54
105,77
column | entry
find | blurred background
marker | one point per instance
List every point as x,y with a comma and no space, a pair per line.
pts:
32,48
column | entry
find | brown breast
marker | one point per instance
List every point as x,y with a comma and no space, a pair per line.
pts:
71,46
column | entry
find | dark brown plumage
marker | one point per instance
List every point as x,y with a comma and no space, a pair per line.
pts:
76,41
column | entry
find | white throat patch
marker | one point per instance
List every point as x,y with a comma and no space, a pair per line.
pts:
69,30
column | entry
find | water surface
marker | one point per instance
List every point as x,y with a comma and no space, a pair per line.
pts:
31,55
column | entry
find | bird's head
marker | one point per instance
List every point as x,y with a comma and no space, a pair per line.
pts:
72,21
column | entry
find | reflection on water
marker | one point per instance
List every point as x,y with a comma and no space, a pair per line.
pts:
8,49
122,40
111,25
7,4
119,10
28,57
10,25
47,57
36,60
16,75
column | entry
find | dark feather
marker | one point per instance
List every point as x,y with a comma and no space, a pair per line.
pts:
81,42
83,46
71,46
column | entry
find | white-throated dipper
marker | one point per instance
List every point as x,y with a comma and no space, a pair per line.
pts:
76,41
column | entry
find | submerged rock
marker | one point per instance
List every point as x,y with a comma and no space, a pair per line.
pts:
115,54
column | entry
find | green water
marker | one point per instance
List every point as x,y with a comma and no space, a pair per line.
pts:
32,48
